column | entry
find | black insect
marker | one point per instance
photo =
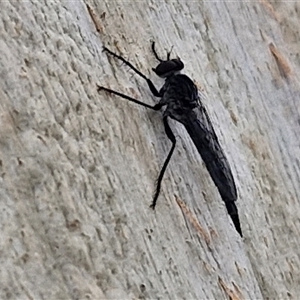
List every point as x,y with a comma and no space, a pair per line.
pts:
180,96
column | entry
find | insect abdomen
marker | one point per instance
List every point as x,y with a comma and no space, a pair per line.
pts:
217,165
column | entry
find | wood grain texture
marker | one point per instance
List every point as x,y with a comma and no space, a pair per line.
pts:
77,168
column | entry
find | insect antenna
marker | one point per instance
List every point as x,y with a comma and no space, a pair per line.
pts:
169,53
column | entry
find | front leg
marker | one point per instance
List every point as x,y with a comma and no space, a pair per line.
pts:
152,88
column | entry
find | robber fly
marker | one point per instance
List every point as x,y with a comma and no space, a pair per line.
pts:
180,96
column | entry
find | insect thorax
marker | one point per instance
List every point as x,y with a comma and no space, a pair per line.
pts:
181,91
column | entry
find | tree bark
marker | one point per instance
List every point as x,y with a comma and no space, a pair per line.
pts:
78,167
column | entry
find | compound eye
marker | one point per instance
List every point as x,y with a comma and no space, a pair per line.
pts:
168,67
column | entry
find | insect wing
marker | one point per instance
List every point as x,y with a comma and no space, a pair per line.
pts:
206,141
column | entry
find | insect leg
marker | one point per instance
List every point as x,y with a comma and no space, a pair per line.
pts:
171,136
152,88
154,107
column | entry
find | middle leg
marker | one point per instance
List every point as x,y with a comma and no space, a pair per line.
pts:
157,106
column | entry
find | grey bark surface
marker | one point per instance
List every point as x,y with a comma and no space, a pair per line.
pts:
78,167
